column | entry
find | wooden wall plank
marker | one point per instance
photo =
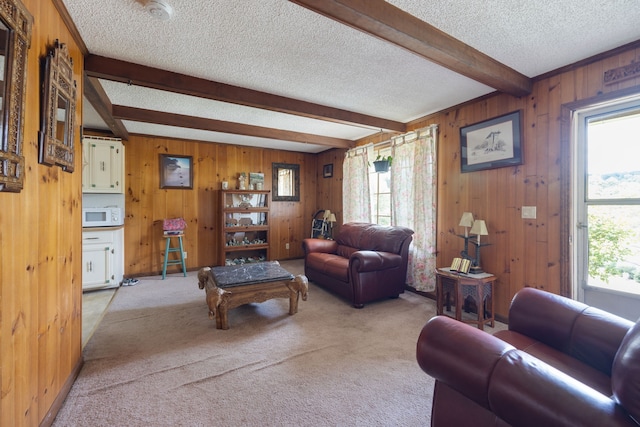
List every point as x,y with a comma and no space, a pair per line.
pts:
147,204
522,252
207,204
41,253
40,228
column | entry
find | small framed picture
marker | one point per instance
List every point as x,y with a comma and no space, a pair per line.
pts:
490,144
176,171
256,180
327,170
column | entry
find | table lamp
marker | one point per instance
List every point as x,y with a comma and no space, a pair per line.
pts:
325,233
332,219
479,228
466,221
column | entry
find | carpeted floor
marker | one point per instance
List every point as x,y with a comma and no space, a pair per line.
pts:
157,360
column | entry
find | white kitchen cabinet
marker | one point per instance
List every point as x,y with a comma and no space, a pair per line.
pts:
102,258
102,165
98,266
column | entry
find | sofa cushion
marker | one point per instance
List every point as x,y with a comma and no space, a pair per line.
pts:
569,365
585,333
530,316
330,264
625,379
383,239
349,234
346,251
373,237
595,338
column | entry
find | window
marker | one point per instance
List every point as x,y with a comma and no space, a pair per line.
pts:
380,190
608,208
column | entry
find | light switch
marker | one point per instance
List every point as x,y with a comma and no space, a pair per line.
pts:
529,212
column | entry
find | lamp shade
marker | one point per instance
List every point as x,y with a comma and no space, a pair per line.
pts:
326,215
479,228
332,218
466,220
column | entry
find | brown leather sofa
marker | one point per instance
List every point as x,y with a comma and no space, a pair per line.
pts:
560,363
365,262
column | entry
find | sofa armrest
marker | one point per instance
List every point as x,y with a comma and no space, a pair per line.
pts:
362,261
461,356
543,316
319,245
514,385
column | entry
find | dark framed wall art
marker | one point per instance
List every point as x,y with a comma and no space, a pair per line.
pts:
493,143
327,170
176,171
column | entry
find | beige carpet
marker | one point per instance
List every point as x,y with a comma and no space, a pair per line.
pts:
157,360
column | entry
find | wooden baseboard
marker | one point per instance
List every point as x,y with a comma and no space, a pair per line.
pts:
47,421
430,295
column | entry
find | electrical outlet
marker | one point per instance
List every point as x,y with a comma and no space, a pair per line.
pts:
529,212
286,246
184,254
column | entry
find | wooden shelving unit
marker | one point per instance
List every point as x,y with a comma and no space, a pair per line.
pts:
245,226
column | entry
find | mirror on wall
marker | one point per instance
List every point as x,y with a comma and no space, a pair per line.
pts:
4,49
15,37
58,109
286,182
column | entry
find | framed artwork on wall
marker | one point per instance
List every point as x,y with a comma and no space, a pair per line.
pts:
285,182
493,143
58,109
256,180
176,171
16,24
327,170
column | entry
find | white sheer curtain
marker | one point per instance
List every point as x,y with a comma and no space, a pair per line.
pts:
413,178
356,201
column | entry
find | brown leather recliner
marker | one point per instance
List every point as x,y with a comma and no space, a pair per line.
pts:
561,363
365,262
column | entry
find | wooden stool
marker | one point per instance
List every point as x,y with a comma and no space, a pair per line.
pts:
168,249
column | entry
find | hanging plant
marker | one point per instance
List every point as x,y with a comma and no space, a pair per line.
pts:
382,164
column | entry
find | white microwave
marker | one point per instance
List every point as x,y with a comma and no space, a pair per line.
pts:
102,217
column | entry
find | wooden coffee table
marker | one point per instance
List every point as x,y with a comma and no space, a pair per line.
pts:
235,285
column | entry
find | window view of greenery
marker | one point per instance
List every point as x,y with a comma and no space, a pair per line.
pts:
613,202
380,191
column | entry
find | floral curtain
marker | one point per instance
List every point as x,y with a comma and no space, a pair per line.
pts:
356,201
413,177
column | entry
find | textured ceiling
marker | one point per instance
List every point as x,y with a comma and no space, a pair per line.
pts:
281,48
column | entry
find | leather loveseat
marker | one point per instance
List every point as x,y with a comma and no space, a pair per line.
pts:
560,363
365,262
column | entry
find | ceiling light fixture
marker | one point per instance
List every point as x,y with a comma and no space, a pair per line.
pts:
159,9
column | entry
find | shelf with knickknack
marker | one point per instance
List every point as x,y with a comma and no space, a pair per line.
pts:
245,226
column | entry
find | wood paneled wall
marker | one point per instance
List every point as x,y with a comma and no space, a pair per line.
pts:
40,228
330,189
523,252
147,204
40,256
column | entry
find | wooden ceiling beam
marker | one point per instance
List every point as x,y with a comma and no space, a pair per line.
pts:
390,23
191,122
155,78
98,98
